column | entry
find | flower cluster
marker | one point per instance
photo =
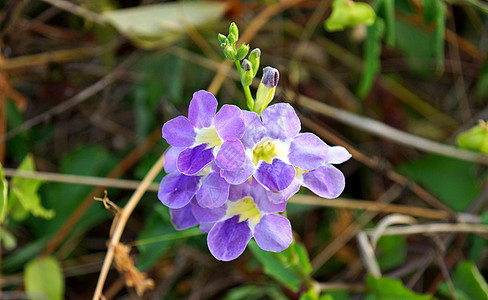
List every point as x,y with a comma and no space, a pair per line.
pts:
231,172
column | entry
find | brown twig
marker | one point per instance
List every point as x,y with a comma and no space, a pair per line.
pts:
122,221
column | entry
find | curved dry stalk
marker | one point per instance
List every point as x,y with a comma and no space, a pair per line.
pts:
122,221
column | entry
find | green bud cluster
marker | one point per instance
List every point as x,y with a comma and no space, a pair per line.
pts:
248,68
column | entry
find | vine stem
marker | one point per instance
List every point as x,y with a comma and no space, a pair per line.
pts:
247,90
122,221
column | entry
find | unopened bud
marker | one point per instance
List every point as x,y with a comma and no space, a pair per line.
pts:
222,39
270,77
246,73
242,52
255,58
233,30
232,39
266,89
230,52
475,139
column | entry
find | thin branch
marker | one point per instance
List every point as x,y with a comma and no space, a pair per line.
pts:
385,131
76,179
371,206
432,228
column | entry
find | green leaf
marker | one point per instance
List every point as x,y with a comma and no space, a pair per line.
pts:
326,297
3,195
468,282
457,187
392,251
278,266
24,197
349,14
44,275
424,55
159,24
435,11
372,53
390,289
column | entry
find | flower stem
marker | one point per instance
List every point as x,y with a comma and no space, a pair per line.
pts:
247,90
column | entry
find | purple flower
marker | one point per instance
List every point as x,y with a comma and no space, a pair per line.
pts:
247,213
206,136
275,148
207,186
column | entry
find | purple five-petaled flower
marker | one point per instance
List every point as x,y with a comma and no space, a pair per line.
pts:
276,150
247,213
207,136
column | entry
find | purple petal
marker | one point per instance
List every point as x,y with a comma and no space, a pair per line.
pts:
227,240
206,227
182,218
337,155
207,215
307,151
285,194
326,181
259,194
231,155
176,189
273,233
213,192
179,132
276,176
192,160
202,109
170,158
255,130
229,123
239,175
281,121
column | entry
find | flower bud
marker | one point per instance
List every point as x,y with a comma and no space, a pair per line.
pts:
232,39
266,89
230,52
222,39
254,58
233,30
475,139
246,73
242,52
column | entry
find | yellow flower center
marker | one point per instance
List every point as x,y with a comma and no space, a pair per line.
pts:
267,150
246,209
209,136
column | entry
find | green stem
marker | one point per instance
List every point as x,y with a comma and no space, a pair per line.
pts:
247,90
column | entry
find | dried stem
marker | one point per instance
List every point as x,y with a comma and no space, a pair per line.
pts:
122,221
